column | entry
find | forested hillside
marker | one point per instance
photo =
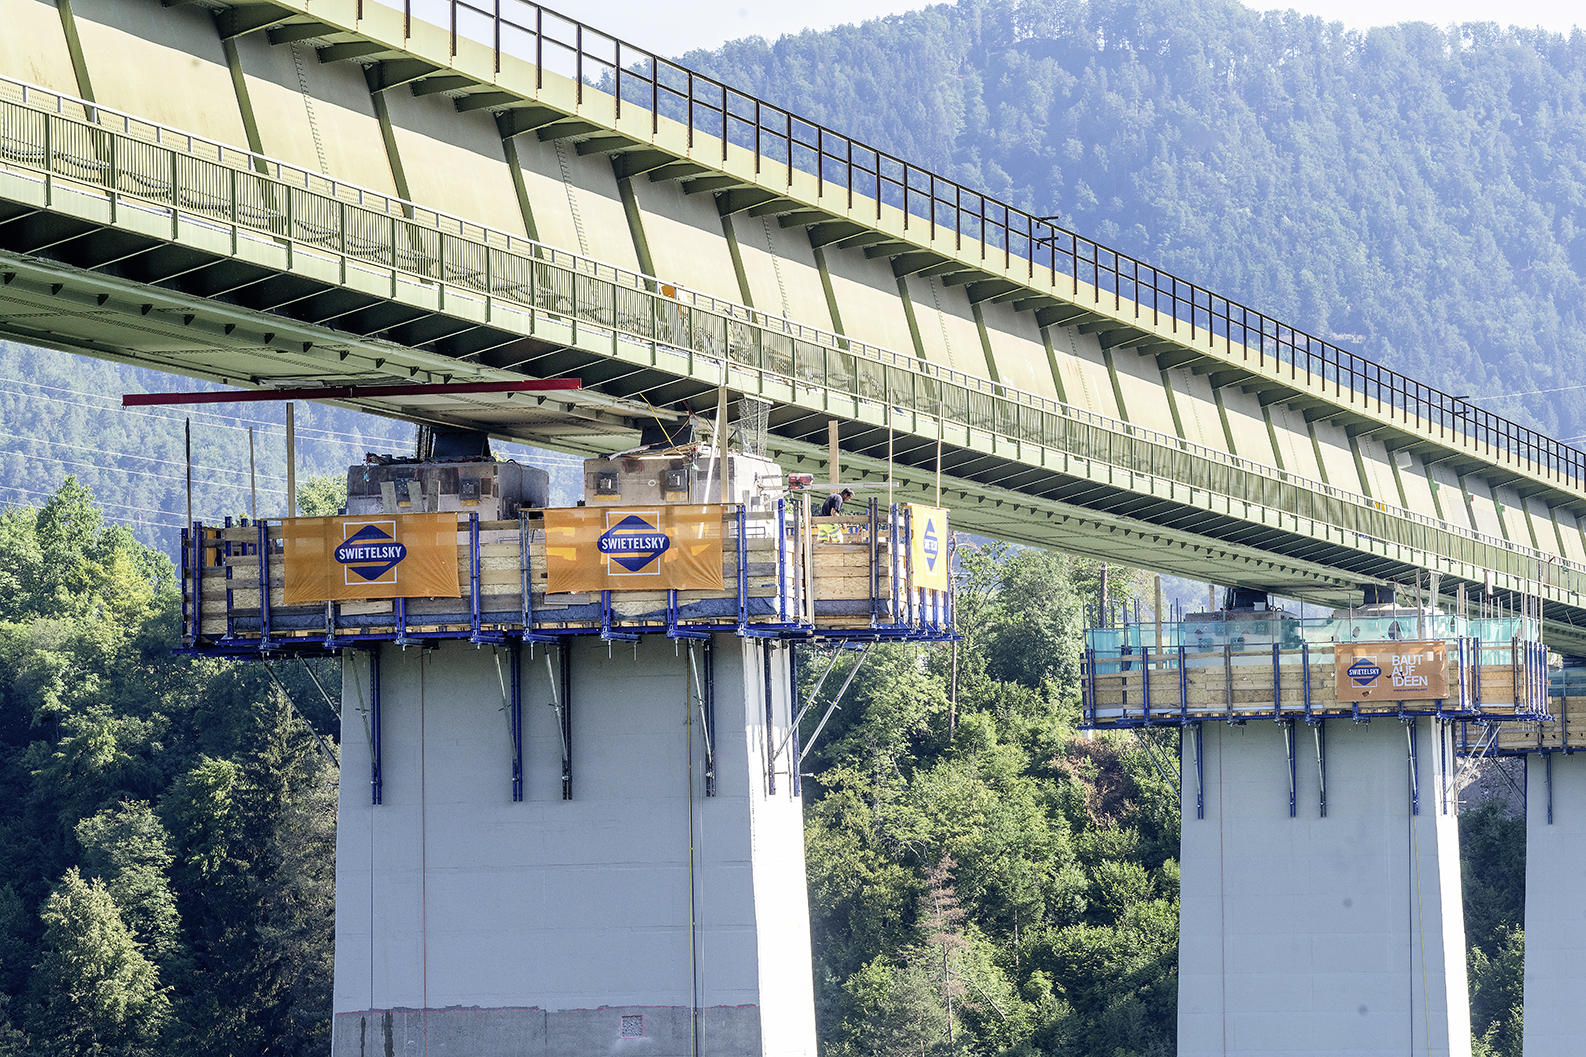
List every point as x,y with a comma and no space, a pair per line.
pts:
1412,193
167,852
61,415
984,878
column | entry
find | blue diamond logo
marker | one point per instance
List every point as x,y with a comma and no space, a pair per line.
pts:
634,543
370,552
929,544
1363,672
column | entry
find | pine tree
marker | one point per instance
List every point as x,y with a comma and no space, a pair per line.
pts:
95,993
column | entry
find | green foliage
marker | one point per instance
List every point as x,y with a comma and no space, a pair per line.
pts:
983,880
1034,624
182,804
94,990
127,848
1497,985
322,495
1492,875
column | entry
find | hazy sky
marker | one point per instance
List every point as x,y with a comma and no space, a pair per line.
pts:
673,28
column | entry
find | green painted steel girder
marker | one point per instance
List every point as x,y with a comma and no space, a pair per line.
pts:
257,306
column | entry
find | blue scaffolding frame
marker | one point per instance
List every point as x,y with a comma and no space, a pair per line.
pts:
899,612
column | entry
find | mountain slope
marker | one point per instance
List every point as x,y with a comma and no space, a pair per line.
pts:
1412,193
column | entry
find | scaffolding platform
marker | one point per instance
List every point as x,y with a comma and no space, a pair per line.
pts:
1563,731
1286,669
786,575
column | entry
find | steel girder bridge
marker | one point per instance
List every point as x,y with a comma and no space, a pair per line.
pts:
129,239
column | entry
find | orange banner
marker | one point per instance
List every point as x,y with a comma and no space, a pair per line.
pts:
928,546
1391,671
342,559
633,548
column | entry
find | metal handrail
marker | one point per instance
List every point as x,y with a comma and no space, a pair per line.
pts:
1002,234
240,190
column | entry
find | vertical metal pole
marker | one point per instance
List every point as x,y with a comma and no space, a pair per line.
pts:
195,557
743,568
1305,676
908,562
875,551
516,705
1420,610
1183,684
889,441
1200,783
1228,679
566,717
781,561
1145,679
1156,580
710,715
291,459
526,575
230,605
1443,729
474,600
794,756
188,432
893,566
190,586
721,438
1106,600
800,527
1415,769
253,480
376,780
1547,759
766,645
264,585
1277,684
1476,668
1288,744
1320,729
833,455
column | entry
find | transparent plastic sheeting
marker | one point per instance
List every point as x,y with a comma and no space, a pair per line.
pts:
1258,636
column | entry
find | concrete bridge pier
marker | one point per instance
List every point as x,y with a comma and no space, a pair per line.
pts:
1320,904
1555,902
639,909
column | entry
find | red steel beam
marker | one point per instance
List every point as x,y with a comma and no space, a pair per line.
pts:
345,392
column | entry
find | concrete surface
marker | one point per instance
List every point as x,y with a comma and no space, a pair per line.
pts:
1321,936
1555,905
491,927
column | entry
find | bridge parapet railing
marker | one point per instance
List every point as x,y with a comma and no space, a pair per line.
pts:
41,139
1003,235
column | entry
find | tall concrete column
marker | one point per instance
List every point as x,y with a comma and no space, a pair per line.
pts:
468,924
1312,934
1555,903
